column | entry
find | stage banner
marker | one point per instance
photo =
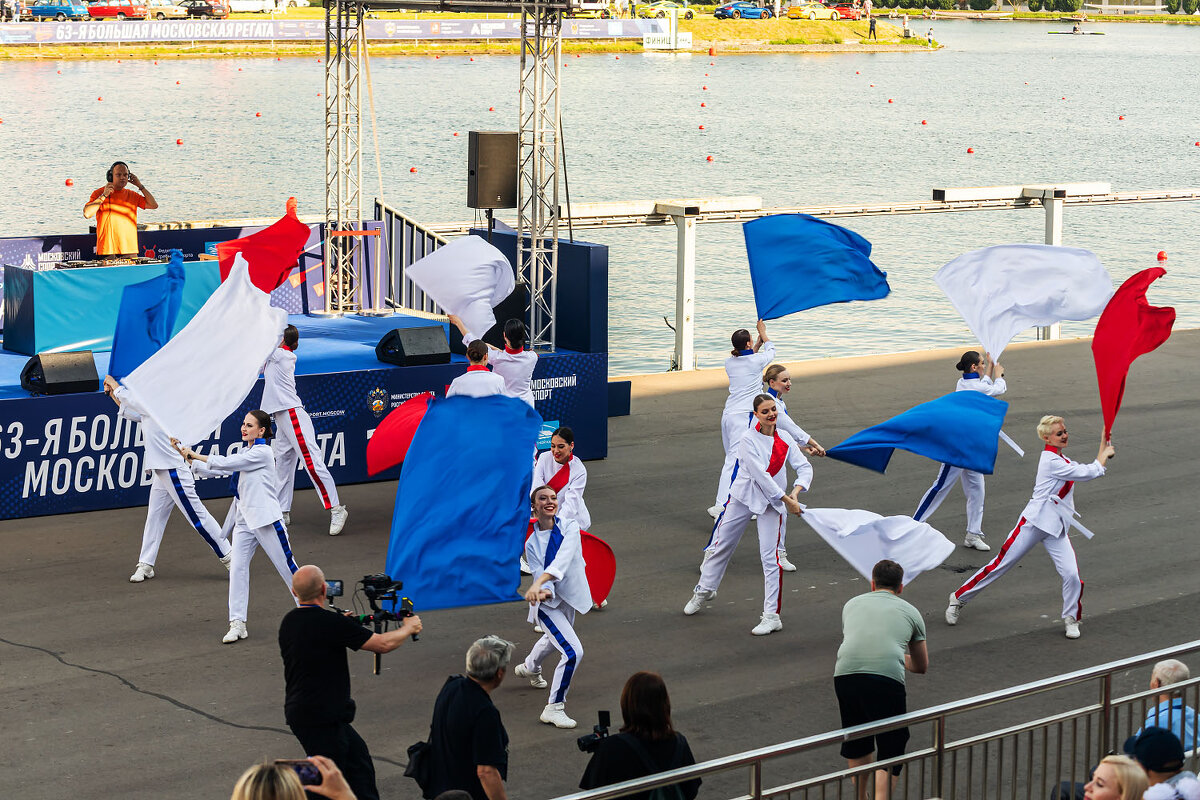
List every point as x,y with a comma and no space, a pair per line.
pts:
71,453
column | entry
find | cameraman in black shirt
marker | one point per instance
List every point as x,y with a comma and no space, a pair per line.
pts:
318,706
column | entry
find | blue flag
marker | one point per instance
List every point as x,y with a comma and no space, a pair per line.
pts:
961,429
462,505
146,318
798,261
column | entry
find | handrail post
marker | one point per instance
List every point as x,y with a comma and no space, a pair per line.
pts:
685,292
756,780
939,744
1106,710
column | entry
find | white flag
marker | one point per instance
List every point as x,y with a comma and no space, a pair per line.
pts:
467,277
205,371
1003,290
864,538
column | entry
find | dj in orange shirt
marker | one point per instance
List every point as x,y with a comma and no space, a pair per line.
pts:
115,209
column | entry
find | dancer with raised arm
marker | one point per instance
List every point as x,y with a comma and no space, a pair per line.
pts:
514,363
1047,518
979,374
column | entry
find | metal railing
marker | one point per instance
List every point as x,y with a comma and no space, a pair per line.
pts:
955,757
405,241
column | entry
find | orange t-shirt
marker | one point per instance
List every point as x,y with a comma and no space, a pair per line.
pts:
116,222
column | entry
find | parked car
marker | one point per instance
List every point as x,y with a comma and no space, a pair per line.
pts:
742,9
118,9
663,8
165,9
215,9
60,10
811,11
846,11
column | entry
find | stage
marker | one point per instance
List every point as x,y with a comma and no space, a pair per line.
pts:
67,453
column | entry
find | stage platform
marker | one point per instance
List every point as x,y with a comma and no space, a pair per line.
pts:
68,453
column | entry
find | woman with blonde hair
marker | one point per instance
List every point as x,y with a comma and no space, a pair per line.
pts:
1117,778
280,781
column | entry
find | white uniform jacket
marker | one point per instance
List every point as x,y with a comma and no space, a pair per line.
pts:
159,452
788,425
279,382
745,378
257,500
570,584
754,486
973,382
1051,507
515,367
570,496
477,381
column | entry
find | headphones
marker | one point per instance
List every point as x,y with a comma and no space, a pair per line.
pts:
108,174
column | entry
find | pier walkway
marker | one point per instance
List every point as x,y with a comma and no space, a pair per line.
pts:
114,690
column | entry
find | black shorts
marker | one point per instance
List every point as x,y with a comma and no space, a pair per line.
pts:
865,697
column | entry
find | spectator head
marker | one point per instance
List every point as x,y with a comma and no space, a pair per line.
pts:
1158,750
1116,778
487,657
268,782
1168,672
740,340
646,707
308,584
887,575
477,352
291,337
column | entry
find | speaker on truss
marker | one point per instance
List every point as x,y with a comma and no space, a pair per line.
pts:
414,347
60,373
516,305
491,169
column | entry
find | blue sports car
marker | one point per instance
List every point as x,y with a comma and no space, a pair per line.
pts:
742,9
58,9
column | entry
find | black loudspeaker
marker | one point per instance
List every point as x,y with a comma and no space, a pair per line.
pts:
491,169
515,306
60,373
414,347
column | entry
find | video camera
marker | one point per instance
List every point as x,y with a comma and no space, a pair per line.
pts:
378,588
589,742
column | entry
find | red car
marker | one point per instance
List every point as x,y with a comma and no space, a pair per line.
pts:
846,11
118,9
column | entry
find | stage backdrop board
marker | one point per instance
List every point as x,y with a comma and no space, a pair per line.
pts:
69,453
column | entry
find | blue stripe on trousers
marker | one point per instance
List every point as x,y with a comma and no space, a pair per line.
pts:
192,516
281,532
568,653
717,523
932,493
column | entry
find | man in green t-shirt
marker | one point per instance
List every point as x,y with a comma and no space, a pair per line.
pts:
877,628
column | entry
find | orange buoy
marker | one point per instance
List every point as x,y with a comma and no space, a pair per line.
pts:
1197,144
176,83
1122,116
970,149
60,72
472,58
618,58
118,61
706,74
1162,255
179,141
710,158
239,69
437,56
712,51
99,99
456,133
704,88
889,99
923,122
412,169
70,182
491,108
258,113
871,85
701,127
704,105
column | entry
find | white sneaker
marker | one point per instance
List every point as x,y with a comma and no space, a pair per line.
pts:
226,560
337,518
554,714
769,624
953,610
714,511
538,629
603,604
525,570
975,541
237,630
287,518
784,564
697,602
535,678
1072,626
143,572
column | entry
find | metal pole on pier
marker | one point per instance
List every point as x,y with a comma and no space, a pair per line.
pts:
685,289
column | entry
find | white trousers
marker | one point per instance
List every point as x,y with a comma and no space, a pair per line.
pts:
726,535
733,427
972,485
1019,542
274,541
559,626
177,487
295,441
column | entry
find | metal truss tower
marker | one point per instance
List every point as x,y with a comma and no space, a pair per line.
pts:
345,54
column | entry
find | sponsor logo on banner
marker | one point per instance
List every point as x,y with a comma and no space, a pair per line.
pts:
547,431
377,400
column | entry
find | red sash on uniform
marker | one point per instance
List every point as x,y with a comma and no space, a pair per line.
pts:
779,451
560,478
1066,489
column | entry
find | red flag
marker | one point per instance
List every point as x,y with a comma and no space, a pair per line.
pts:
600,565
1128,328
389,444
272,253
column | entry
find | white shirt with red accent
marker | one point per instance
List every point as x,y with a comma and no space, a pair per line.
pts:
279,382
570,496
477,381
754,485
515,367
1054,490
